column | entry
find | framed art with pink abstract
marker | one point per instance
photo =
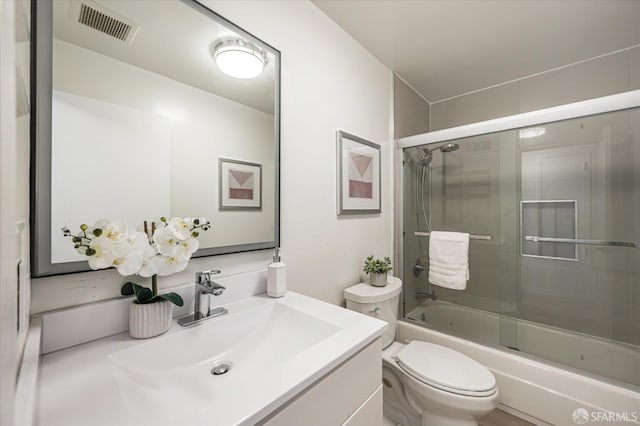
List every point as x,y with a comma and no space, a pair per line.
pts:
240,184
358,175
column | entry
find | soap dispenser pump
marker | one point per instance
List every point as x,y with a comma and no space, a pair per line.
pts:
276,276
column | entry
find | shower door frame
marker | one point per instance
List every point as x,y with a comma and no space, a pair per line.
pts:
620,101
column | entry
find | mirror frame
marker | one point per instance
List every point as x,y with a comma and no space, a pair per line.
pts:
40,135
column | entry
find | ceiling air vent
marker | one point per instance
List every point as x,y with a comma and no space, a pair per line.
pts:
104,20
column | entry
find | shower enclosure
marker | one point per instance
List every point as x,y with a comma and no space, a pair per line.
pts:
554,256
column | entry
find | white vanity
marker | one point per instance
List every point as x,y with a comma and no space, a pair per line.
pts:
293,361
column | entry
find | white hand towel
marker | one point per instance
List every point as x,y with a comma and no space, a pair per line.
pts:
449,259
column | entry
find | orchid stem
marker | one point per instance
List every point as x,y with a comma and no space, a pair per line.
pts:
154,284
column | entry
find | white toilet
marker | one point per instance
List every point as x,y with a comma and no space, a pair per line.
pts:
424,384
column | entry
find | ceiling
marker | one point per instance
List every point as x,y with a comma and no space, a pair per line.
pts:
445,48
173,40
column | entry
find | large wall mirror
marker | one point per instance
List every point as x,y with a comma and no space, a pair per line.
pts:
133,119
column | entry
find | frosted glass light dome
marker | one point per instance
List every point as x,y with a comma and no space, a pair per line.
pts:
239,59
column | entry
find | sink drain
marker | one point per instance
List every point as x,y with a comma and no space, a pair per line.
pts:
221,367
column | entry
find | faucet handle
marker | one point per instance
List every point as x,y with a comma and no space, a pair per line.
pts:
204,277
210,273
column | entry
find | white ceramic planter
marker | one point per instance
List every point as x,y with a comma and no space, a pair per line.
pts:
149,320
378,280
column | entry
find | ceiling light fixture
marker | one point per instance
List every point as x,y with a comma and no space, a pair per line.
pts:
532,132
239,59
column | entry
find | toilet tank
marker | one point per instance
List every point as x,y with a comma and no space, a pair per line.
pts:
378,302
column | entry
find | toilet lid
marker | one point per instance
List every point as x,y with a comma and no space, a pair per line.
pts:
446,369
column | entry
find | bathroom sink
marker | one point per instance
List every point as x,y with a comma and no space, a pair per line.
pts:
261,344
253,339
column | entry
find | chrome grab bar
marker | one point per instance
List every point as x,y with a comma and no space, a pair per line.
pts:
471,236
537,239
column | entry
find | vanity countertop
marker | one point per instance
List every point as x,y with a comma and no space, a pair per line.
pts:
122,381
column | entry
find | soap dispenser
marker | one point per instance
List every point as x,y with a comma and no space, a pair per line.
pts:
276,276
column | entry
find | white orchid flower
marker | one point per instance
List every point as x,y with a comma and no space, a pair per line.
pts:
148,267
168,251
139,241
188,247
103,253
181,228
167,265
115,231
127,259
165,241
129,253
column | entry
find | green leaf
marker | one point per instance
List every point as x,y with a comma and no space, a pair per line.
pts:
171,297
127,289
144,295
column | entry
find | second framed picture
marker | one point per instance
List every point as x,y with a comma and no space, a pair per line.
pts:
240,185
358,175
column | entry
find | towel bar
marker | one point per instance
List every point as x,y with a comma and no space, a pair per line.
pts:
471,236
537,239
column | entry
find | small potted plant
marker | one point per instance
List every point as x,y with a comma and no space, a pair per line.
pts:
162,249
377,270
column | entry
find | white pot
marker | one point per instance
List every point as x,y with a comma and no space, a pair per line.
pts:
149,320
378,280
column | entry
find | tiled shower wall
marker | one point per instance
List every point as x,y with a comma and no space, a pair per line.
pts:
410,111
605,75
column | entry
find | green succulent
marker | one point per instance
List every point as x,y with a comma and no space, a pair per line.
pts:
377,266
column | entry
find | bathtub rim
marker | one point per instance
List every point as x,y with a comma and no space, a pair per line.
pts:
625,345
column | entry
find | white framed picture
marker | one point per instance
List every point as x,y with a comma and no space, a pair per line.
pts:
358,175
240,184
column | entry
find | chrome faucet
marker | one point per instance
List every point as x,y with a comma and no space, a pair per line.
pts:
424,295
205,288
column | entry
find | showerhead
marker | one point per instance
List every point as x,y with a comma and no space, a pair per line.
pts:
428,153
449,147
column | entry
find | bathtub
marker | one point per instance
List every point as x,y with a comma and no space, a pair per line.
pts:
540,391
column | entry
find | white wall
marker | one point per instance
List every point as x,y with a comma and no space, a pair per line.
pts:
8,315
329,82
14,212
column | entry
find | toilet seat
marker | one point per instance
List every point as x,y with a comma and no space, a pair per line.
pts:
446,369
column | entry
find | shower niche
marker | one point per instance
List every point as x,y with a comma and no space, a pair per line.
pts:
542,222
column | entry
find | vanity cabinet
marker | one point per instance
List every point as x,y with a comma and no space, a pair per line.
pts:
350,395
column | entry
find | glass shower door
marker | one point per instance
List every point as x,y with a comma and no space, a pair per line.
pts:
472,189
580,196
